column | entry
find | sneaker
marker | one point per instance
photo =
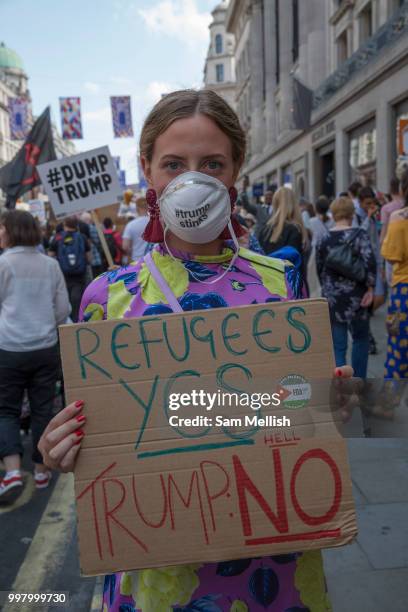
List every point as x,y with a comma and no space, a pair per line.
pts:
11,488
42,479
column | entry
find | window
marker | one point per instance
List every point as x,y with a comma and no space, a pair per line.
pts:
218,43
277,41
219,68
342,51
366,23
295,30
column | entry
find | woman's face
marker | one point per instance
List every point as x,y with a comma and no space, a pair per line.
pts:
3,237
195,143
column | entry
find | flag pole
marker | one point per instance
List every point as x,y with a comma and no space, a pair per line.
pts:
102,238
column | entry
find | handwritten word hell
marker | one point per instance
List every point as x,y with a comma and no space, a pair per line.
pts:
208,491
80,179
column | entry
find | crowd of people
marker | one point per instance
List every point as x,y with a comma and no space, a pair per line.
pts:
353,251
192,149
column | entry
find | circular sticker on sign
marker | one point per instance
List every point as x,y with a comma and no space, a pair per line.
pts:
295,391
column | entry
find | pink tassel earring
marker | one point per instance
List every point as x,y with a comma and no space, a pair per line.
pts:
154,230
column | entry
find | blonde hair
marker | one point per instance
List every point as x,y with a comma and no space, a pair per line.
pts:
342,208
285,210
186,103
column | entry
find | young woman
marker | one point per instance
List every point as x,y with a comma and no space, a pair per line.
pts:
285,226
33,302
192,148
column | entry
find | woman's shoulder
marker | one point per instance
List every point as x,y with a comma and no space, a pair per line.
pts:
106,293
399,215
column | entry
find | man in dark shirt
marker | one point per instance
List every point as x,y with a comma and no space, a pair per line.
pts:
72,250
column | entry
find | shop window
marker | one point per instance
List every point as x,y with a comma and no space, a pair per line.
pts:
218,43
363,154
219,68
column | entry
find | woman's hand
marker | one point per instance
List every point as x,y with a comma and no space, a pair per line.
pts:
347,389
61,440
367,298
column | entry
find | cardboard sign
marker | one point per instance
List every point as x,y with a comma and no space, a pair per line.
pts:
80,182
152,491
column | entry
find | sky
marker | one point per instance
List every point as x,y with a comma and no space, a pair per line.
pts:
95,49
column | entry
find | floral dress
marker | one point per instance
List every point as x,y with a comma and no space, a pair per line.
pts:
281,583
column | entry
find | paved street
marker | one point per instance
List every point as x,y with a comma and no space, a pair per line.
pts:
370,574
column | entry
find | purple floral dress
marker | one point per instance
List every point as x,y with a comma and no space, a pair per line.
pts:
283,583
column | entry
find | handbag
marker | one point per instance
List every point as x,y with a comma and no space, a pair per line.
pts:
345,260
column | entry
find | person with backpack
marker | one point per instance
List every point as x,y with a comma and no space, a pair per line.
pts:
346,268
114,242
72,251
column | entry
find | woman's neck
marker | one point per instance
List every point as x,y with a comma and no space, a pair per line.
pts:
209,248
342,224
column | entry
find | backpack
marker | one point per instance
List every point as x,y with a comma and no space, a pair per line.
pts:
71,254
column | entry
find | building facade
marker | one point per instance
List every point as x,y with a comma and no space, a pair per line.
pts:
14,83
352,55
219,69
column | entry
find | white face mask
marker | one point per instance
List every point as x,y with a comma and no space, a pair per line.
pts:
195,207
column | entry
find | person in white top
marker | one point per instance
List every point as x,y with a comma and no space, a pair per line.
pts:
133,243
33,302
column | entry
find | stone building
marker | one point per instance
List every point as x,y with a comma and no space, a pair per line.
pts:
352,55
219,69
14,83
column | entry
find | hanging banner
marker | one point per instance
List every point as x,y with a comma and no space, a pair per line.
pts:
121,116
71,118
18,109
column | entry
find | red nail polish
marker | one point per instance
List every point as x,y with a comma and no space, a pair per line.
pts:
81,418
79,433
78,441
79,404
339,373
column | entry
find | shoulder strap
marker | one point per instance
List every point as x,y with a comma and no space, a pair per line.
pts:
353,235
161,282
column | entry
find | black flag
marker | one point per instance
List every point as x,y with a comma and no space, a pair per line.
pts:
20,175
302,105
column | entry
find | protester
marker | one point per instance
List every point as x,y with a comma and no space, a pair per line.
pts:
114,242
386,211
307,211
33,302
365,217
349,293
320,225
353,192
323,221
72,251
133,242
96,262
262,212
182,142
395,250
128,205
285,226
